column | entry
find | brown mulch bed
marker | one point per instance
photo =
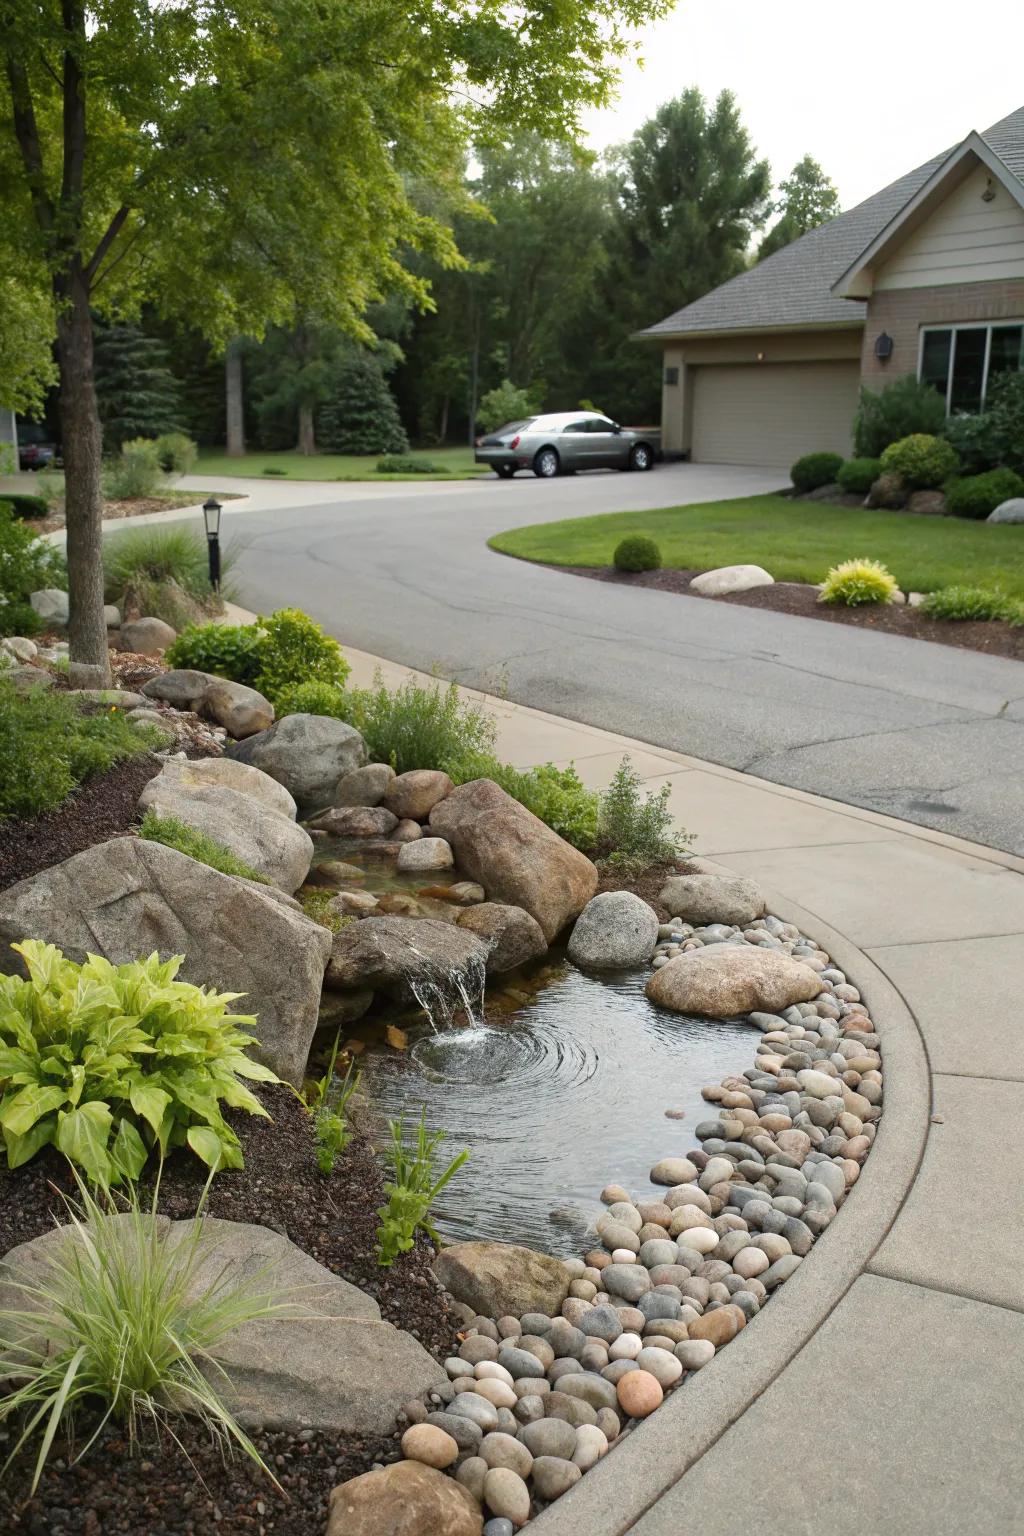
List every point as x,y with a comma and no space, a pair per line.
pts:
101,808
333,1218
137,507
647,885
993,637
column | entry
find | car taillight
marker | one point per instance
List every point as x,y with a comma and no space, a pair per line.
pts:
515,441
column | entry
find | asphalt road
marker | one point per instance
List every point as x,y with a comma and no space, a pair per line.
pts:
925,732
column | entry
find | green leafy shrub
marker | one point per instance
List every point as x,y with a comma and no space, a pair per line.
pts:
294,649
26,565
406,464
124,1318
857,476
421,727
319,699
960,603
135,472
226,650
854,582
885,416
26,507
412,1189
973,441
47,746
106,1062
637,553
636,830
815,470
976,496
923,461
176,453
557,796
196,845
1004,409
505,403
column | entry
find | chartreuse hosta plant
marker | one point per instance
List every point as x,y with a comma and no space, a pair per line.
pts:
106,1062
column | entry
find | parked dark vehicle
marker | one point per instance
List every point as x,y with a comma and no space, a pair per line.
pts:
36,449
564,442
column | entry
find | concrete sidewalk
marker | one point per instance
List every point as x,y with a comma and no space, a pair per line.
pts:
883,1389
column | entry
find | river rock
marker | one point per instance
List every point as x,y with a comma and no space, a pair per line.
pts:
673,1171
430,1445
639,1393
392,954
730,578
500,1279
724,980
553,1476
405,1499
308,754
615,930
513,935
428,853
355,821
702,899
514,856
506,1495
412,796
128,897
147,637
364,786
629,1281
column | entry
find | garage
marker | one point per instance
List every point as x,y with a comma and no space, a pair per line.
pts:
772,413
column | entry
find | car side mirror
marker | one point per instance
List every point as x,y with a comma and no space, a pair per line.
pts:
616,428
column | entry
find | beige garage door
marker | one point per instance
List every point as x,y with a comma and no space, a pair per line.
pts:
771,413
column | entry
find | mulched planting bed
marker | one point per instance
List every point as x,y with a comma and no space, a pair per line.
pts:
994,637
647,885
101,808
332,1218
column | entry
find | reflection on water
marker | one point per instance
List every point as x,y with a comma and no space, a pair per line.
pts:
555,1100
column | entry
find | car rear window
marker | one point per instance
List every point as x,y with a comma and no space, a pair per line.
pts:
512,426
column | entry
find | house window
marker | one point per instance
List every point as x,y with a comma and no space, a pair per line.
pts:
961,360
671,375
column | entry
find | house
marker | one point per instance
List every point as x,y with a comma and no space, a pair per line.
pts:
925,278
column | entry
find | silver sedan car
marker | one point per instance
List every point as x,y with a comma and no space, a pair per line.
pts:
562,443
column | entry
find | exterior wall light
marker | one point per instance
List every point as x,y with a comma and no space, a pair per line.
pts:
883,347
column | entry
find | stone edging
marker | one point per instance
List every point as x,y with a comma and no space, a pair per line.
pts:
658,1452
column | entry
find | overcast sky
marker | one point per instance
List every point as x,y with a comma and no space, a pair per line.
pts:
870,90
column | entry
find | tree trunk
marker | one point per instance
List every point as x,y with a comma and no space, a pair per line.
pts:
235,410
474,378
442,435
307,433
83,493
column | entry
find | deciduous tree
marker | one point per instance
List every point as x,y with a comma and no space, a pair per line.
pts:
809,198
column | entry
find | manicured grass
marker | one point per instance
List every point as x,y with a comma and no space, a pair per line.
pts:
453,464
793,540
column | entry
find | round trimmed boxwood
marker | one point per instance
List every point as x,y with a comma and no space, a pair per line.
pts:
815,470
978,495
857,476
923,461
637,553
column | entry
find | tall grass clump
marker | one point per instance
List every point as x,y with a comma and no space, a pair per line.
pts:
165,573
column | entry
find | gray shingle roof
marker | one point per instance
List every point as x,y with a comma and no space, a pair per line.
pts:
793,286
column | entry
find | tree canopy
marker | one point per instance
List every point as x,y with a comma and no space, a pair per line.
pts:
809,198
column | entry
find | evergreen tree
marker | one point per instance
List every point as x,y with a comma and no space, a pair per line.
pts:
361,415
809,198
137,394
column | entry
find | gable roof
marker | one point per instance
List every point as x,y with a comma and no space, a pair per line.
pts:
794,287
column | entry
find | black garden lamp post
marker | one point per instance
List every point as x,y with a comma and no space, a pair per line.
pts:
211,517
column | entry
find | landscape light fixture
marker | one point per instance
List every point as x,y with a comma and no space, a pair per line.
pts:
211,517
883,347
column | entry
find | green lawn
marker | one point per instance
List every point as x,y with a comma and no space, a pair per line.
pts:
793,540
453,464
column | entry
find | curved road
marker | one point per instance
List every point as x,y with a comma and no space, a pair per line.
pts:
926,732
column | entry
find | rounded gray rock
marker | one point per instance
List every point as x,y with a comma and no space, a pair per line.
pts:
553,1476
615,930
549,1437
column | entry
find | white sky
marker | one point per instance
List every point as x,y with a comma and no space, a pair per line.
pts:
870,90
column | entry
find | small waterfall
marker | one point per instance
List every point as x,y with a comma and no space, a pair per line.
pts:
443,993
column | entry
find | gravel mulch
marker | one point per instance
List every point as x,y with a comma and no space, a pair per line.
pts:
101,808
993,637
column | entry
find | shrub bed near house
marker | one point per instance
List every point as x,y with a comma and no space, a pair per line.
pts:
976,496
923,461
815,470
900,409
857,476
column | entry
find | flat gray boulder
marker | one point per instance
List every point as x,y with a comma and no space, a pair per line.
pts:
183,688
730,578
1011,511
249,781
146,637
503,1279
513,936
615,930
705,898
128,897
308,754
396,954
327,1362
726,980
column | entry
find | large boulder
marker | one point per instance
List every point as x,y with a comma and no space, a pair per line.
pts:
52,605
706,898
405,1499
183,688
394,954
425,854
1011,511
513,935
513,855
128,897
614,931
356,821
308,754
503,1279
269,842
725,980
240,710
413,795
730,578
364,786
249,781
146,637
332,1365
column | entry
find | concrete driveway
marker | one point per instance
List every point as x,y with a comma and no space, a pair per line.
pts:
929,733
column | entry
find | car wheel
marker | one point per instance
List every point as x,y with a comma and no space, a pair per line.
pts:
641,457
505,471
546,465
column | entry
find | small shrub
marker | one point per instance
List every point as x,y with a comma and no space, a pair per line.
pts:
885,416
422,727
328,1105
176,453
319,699
1004,409
922,460
857,476
294,649
135,474
124,1317
637,553
505,403
226,650
26,507
976,496
412,1189
973,440
858,581
557,796
406,464
966,603
815,470
196,845
106,1062
634,830
26,565
273,469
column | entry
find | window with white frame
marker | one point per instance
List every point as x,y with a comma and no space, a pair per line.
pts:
961,360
